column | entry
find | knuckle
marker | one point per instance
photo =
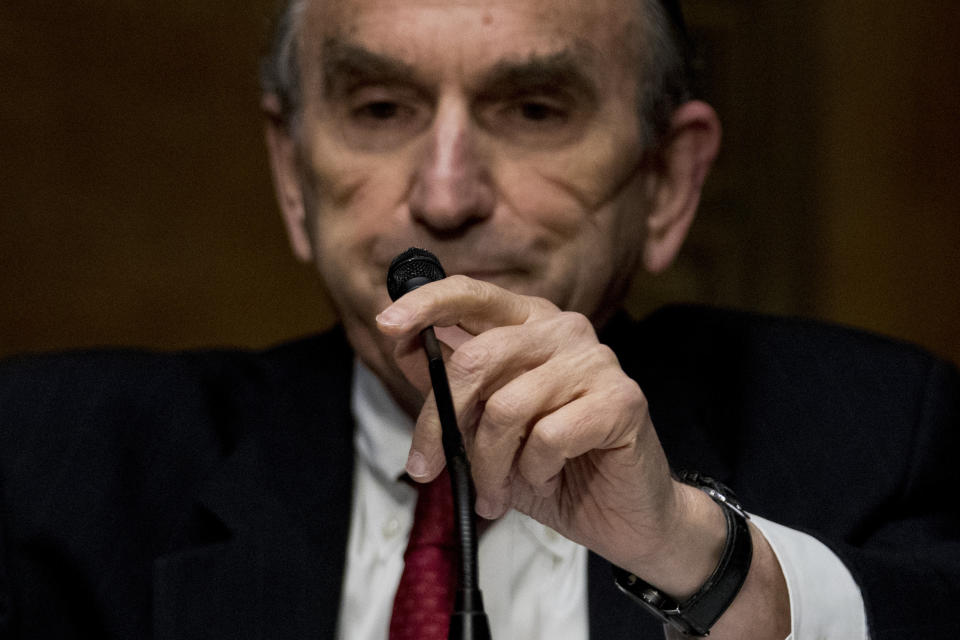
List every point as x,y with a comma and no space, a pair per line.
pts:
502,410
470,287
458,279
460,288
579,324
535,475
469,360
427,295
542,306
548,436
576,327
606,356
626,391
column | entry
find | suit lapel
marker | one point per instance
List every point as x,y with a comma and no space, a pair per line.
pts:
266,541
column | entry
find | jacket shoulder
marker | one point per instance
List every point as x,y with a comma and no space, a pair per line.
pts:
132,423
746,348
124,388
772,404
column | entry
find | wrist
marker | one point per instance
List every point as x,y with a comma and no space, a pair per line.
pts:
691,545
696,613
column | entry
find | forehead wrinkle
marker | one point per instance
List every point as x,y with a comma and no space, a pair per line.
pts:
335,27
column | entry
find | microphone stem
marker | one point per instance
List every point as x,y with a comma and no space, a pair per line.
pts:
469,621
452,440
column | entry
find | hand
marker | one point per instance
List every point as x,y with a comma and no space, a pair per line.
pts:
553,428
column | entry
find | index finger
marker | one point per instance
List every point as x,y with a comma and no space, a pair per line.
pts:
474,305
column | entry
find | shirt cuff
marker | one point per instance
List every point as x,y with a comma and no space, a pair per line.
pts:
825,601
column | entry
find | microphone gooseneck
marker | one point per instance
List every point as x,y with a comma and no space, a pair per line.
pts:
411,269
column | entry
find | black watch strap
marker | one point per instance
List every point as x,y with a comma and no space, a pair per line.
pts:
698,613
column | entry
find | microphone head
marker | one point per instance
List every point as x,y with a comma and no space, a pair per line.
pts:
411,269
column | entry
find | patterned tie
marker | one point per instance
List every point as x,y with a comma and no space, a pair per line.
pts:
424,600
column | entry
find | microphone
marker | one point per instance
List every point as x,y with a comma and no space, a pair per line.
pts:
411,269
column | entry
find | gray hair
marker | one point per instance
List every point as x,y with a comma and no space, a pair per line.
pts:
664,67
280,68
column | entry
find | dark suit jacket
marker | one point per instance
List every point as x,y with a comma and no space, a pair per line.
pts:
206,494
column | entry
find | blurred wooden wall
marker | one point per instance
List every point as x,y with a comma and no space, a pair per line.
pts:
889,163
837,194
136,208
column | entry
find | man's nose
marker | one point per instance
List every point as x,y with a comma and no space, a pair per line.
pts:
452,187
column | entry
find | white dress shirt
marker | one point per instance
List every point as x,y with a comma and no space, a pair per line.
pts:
534,581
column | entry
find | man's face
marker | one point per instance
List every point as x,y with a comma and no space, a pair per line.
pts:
502,135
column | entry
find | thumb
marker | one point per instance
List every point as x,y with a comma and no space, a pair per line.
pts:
426,460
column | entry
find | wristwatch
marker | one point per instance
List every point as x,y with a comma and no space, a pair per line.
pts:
698,613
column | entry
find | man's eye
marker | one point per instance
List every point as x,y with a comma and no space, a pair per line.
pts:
535,120
539,111
536,114
378,120
380,110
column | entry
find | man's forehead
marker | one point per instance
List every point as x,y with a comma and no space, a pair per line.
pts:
506,30
345,9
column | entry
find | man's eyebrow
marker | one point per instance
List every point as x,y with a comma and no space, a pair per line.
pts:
345,64
558,72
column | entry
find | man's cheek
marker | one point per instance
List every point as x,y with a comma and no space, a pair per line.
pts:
352,181
571,183
548,200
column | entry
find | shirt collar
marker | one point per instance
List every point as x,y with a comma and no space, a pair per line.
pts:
384,431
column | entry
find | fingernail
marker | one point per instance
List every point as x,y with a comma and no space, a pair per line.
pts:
416,465
392,317
485,509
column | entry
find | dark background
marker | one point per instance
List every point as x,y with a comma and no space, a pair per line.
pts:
136,206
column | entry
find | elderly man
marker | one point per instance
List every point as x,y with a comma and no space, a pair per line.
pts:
544,151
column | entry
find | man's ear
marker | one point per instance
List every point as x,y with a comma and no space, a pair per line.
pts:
286,179
677,176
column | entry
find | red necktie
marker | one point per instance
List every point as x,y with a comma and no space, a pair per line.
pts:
424,600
